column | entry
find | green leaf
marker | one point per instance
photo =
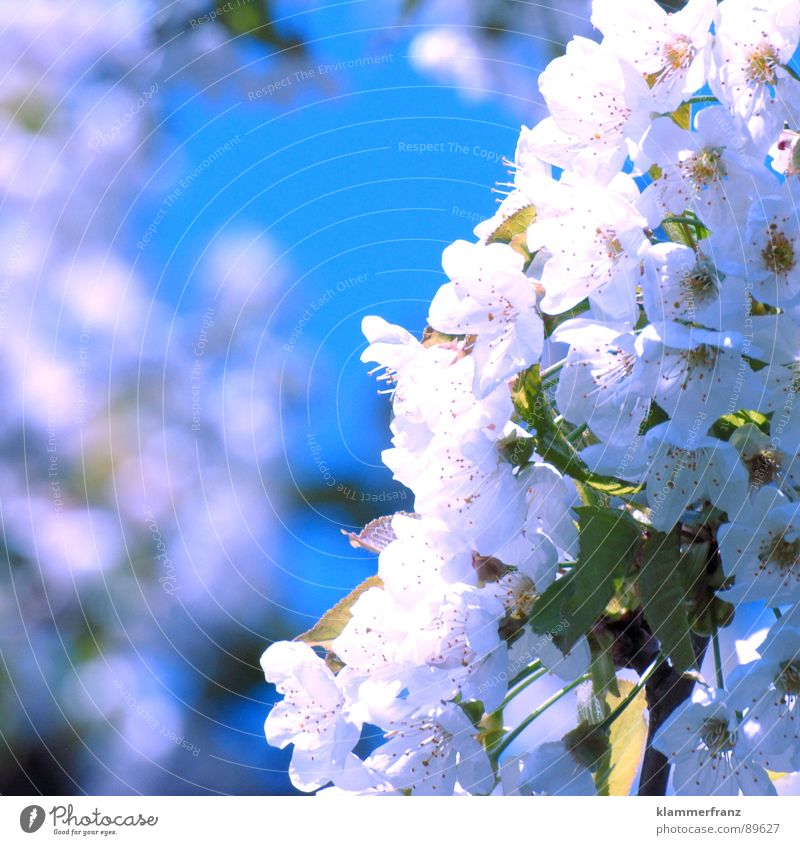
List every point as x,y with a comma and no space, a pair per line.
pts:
588,744
677,234
490,730
613,486
655,416
553,321
334,621
514,225
519,243
333,663
254,20
682,116
604,673
724,427
592,706
628,736
514,232
664,585
430,337
549,615
602,771
687,230
608,541
534,410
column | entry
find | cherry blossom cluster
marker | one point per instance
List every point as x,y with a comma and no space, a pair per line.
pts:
622,336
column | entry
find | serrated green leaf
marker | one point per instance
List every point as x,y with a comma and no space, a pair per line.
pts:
548,612
333,622
608,540
535,411
513,226
664,591
628,736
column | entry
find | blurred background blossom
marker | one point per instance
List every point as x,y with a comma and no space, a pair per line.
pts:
199,203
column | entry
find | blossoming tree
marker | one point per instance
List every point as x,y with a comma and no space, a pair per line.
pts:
600,430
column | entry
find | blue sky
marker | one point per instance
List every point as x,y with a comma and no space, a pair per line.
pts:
325,163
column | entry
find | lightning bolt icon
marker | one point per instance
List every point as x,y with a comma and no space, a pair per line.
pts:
32,817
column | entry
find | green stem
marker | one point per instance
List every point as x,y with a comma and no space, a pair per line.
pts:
534,666
576,433
688,227
703,98
629,698
512,694
792,72
552,369
777,612
717,659
528,720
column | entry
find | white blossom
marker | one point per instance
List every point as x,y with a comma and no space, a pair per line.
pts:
594,250
768,690
695,375
714,171
708,751
489,296
550,769
639,319
761,550
672,50
429,751
313,716
600,104
595,387
682,472
754,42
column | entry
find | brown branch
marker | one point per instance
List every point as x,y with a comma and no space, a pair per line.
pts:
636,648
665,692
